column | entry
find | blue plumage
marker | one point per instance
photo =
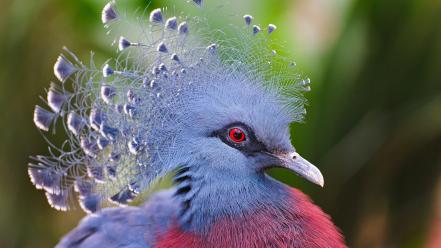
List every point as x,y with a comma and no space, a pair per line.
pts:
216,113
144,107
124,227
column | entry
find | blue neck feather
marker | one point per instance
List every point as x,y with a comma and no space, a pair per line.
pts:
205,199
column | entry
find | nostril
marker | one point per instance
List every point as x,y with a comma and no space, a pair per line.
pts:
294,155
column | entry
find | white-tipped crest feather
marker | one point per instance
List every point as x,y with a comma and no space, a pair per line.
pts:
122,123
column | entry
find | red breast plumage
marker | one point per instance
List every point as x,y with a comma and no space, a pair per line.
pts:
300,225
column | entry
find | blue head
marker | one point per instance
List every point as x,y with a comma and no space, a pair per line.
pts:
232,132
220,111
237,126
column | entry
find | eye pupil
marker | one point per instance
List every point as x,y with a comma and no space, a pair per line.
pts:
237,135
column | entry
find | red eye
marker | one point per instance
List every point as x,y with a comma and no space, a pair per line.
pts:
237,135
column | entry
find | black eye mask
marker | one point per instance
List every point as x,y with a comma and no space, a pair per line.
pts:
249,145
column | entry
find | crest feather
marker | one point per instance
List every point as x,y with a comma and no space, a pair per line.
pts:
120,120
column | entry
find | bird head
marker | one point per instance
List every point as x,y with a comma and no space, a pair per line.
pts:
171,98
239,127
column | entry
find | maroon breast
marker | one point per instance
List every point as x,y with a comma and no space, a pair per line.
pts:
296,223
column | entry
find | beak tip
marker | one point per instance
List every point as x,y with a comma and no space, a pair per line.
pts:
320,181
322,184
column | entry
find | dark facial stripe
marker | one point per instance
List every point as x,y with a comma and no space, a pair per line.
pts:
250,146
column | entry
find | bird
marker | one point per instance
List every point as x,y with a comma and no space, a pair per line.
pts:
182,99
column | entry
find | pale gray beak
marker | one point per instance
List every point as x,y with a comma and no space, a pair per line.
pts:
302,167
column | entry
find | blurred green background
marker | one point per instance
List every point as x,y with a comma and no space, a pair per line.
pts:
373,124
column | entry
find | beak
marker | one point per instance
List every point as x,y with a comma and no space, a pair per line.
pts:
301,167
